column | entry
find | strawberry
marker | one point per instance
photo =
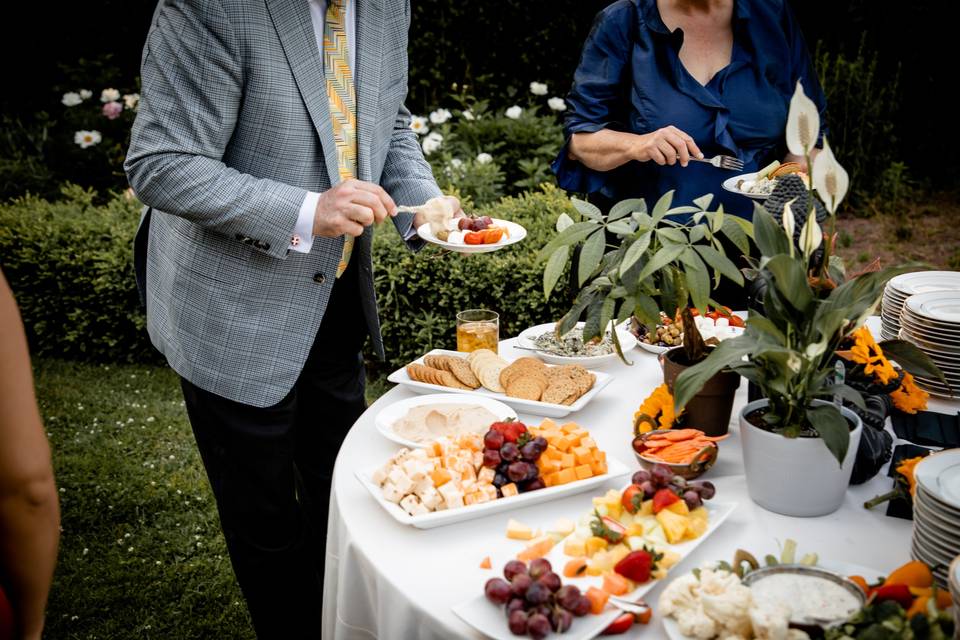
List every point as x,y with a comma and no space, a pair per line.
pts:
502,426
513,431
663,498
637,565
632,498
607,528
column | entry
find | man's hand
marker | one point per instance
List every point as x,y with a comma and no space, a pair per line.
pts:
349,207
418,218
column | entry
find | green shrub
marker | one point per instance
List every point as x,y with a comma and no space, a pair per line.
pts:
70,265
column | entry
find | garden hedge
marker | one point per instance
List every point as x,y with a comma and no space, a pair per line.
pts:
69,263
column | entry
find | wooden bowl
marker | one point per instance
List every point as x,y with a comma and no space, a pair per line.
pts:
701,462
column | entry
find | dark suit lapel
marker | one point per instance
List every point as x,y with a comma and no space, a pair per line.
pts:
369,49
291,18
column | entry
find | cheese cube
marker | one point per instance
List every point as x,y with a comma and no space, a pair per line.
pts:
547,424
583,471
401,480
471,498
588,442
414,469
430,498
450,490
418,454
477,459
423,485
440,477
454,501
509,490
583,455
468,485
450,462
409,503
391,493
575,547
567,475
380,476
569,427
486,475
568,461
489,491
564,443
483,496
467,472
552,479
435,450
518,531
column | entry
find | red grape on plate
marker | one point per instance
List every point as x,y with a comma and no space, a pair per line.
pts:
512,568
518,622
538,626
497,590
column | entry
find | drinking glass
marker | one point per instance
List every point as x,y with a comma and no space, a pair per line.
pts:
478,329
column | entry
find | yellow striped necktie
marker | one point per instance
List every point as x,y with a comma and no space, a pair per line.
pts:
343,101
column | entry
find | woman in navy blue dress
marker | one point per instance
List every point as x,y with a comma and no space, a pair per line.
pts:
660,81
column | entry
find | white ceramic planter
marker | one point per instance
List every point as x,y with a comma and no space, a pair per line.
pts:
795,476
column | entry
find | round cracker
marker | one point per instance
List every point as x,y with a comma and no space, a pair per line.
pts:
525,388
459,368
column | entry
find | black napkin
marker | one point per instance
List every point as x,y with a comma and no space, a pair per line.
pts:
903,508
928,428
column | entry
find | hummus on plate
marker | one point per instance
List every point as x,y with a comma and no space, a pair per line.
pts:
428,422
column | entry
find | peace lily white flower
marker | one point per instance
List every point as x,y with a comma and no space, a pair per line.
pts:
557,104
789,223
440,116
514,112
419,125
794,362
86,94
829,178
109,95
131,100
538,88
468,115
432,142
816,349
811,235
484,158
803,123
71,99
86,138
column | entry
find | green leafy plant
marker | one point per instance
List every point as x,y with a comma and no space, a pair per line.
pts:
635,263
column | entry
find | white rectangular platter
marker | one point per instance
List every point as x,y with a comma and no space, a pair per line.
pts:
615,469
534,407
488,618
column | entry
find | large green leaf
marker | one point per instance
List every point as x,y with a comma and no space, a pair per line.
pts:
634,252
663,205
587,209
660,259
671,234
833,429
626,207
704,201
647,311
698,278
571,317
763,324
790,278
676,211
913,360
716,221
735,234
770,237
568,237
719,262
554,269
590,255
621,227
606,315
591,324
727,353
563,222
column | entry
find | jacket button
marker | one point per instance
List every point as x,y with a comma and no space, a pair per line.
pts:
319,278
239,237
265,246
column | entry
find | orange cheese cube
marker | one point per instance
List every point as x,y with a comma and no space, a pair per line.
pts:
565,476
583,471
549,466
547,424
440,477
564,443
569,427
600,456
471,498
588,442
582,455
598,468
552,453
552,479
509,490
567,461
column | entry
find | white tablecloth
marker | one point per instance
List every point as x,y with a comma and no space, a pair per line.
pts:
387,580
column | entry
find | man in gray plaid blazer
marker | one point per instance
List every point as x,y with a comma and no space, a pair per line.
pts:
247,210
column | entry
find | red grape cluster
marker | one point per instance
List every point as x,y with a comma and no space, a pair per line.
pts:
661,477
513,454
536,601
475,224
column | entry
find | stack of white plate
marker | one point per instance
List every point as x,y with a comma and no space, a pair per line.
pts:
902,287
955,590
932,322
936,513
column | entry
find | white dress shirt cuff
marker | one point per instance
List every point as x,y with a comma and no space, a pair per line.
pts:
302,240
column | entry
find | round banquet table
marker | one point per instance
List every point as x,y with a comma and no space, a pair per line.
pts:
387,580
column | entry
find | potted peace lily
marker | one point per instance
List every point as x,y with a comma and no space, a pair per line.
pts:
799,441
635,264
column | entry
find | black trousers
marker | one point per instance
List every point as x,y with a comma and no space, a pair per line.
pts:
271,468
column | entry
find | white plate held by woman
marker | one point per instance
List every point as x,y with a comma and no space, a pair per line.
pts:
390,416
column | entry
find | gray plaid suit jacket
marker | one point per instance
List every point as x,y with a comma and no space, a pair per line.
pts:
233,130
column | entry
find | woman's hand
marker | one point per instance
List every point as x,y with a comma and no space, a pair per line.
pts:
666,146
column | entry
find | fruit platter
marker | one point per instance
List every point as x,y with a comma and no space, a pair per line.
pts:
527,383
511,465
573,578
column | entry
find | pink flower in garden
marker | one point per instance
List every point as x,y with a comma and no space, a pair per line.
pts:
112,110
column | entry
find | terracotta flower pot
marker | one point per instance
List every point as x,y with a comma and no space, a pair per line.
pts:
710,409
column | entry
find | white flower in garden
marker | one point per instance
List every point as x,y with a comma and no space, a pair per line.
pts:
71,99
811,235
789,223
456,163
803,123
467,115
794,362
86,94
829,178
86,138
440,116
557,104
131,100
514,112
432,142
109,95
538,88
419,125
484,158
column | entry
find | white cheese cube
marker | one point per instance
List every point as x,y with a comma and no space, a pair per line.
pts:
455,237
454,501
391,493
418,454
401,480
477,459
379,476
409,503
486,475
430,498
488,491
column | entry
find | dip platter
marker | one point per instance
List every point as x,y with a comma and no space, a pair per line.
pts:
390,415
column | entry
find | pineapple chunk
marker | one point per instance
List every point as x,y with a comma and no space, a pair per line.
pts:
563,526
646,508
595,544
696,527
674,525
575,547
619,552
679,507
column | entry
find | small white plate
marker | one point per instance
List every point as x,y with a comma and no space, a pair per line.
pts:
939,474
534,407
615,469
488,618
517,233
527,336
388,416
653,348
730,184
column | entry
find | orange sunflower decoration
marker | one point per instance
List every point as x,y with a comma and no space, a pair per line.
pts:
656,412
909,398
867,352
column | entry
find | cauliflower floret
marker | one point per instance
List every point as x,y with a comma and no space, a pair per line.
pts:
727,601
694,623
770,618
680,601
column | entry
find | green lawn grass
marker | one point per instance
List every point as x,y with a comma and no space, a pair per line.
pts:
141,552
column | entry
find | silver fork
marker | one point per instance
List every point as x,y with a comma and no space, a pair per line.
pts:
628,606
722,162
